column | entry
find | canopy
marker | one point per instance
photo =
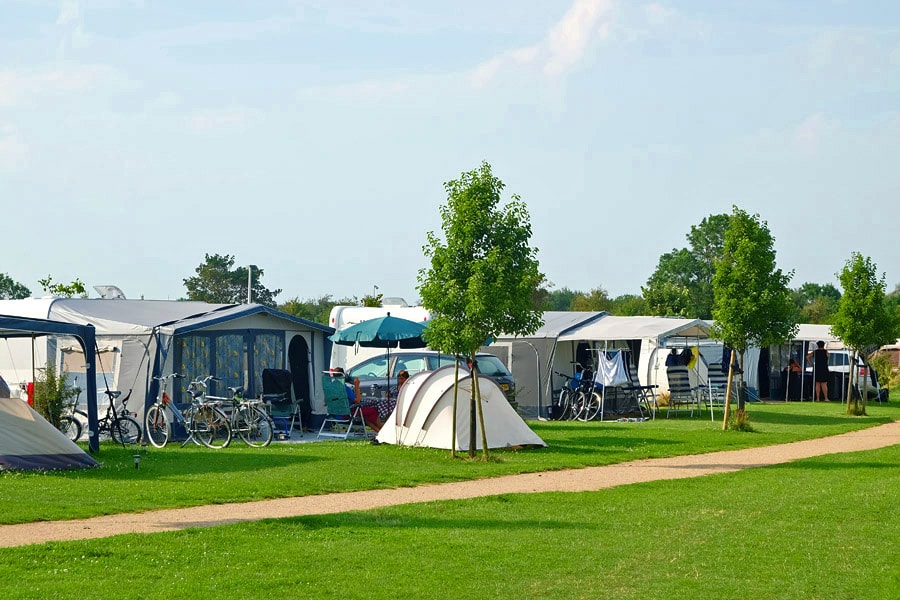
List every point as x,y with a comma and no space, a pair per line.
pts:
635,328
12,326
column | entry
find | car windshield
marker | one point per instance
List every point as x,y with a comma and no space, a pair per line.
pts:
374,368
492,366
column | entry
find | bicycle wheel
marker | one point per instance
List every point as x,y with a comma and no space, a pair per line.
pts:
125,430
255,427
592,406
565,404
157,426
70,427
210,425
577,406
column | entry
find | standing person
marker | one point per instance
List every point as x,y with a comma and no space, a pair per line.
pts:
819,360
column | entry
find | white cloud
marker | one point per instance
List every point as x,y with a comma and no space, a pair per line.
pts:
69,13
810,133
657,14
26,87
562,48
13,150
217,119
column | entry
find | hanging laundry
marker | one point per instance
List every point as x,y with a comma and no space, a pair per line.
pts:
611,370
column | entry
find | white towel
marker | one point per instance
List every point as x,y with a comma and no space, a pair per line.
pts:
611,371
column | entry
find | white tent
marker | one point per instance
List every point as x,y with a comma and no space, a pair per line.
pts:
29,442
424,414
648,339
530,358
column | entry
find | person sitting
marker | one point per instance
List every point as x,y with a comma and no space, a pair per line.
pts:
793,366
370,413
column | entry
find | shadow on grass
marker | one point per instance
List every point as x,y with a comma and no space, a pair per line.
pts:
835,418
368,520
185,462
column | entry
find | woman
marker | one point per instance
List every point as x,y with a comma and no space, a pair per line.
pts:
819,360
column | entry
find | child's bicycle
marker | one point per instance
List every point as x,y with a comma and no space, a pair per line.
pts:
121,427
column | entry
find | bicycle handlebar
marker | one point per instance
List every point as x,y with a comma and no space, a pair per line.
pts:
169,376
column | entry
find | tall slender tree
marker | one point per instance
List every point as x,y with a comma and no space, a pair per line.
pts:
483,275
863,321
753,304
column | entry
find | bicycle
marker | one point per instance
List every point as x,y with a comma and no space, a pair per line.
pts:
586,399
245,417
70,424
565,397
207,422
248,420
158,423
122,428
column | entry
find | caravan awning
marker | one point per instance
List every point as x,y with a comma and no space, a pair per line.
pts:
631,328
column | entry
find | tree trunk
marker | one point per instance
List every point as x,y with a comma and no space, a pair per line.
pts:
728,394
477,386
455,403
472,415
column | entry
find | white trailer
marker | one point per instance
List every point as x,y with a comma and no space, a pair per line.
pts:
344,316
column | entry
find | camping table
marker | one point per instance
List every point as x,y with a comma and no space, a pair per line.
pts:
384,405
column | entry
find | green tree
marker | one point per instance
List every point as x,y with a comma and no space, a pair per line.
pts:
682,285
65,290
372,301
816,303
561,299
11,289
317,310
482,278
863,320
219,282
753,304
628,305
596,300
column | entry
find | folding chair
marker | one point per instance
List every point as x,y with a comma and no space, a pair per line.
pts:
645,394
681,395
342,419
717,385
285,413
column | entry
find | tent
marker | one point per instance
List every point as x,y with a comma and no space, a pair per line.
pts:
530,358
29,442
647,338
26,330
139,339
424,414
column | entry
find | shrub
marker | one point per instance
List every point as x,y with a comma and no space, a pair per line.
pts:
52,394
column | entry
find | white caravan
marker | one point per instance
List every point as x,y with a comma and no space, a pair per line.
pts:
344,316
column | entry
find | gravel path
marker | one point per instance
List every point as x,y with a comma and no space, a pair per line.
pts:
574,480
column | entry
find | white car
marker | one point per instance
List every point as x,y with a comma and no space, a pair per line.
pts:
839,365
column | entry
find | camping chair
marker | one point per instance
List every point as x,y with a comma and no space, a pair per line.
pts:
716,386
681,395
342,419
285,413
645,394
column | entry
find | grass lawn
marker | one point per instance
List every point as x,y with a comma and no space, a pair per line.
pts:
824,527
190,476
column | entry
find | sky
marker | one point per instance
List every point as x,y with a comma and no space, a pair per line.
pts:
313,138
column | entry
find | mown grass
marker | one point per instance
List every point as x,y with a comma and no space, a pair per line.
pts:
191,476
824,527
